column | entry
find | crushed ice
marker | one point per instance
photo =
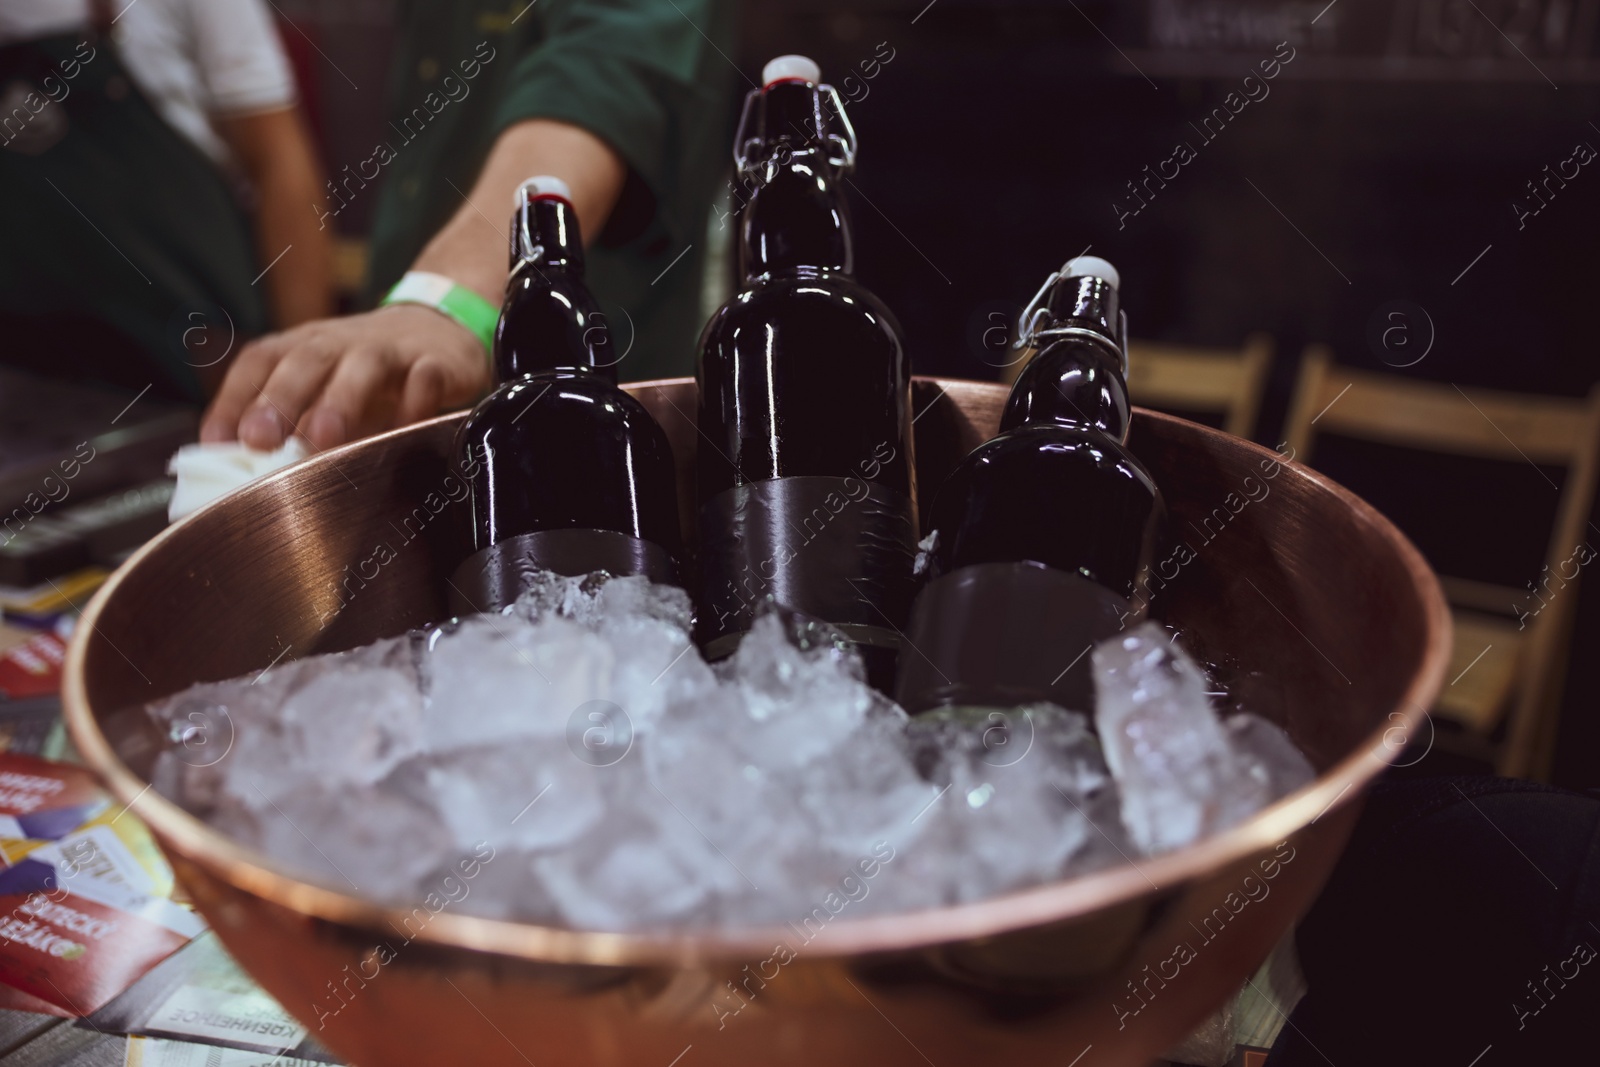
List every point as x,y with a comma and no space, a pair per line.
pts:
624,783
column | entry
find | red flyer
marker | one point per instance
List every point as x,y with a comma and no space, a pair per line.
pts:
17,1000
43,801
84,893
68,948
33,668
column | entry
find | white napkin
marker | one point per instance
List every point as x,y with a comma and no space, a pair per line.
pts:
206,472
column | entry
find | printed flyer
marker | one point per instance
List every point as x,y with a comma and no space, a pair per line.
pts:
85,906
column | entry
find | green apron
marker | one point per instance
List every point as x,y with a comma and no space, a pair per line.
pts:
125,256
649,77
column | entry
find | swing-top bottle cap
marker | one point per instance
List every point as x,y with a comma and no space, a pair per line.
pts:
790,68
543,185
1092,267
1064,307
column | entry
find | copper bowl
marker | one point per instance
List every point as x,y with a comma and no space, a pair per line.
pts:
1301,581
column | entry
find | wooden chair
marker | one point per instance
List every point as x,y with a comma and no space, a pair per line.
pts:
1509,663
1222,381
1212,381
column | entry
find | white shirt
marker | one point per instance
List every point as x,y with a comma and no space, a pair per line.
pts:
194,59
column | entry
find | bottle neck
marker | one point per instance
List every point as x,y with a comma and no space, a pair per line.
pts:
544,232
1076,379
1086,303
1072,383
549,320
796,218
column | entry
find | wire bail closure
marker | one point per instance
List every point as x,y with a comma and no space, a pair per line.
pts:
746,149
1035,326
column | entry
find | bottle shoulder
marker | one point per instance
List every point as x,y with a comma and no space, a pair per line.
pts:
811,306
536,404
1057,443
543,297
1049,456
812,290
1078,347
1069,498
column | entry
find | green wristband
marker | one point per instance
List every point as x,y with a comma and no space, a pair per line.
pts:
449,299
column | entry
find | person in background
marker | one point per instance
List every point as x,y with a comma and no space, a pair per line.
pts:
628,101
155,169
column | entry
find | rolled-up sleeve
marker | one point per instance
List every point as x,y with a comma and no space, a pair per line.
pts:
241,59
635,73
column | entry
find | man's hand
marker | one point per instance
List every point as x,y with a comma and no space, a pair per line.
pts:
334,380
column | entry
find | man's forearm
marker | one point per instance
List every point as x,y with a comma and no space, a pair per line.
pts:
472,246
300,285
275,150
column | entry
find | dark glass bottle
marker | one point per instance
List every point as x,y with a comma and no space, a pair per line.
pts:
566,471
806,487
1041,536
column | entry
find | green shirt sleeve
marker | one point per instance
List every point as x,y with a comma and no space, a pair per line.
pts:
643,75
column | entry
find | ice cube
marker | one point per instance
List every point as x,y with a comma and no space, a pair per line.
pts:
635,598
650,868
625,784
499,678
657,661
1267,755
798,702
527,794
924,559
547,595
383,853
1179,778
1027,797
354,725
504,887
865,790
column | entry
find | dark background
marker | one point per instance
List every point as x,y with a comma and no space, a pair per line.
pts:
1385,159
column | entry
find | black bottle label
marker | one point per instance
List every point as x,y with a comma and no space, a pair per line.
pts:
1004,634
837,549
493,578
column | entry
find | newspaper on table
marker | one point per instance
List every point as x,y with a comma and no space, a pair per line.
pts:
159,1052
